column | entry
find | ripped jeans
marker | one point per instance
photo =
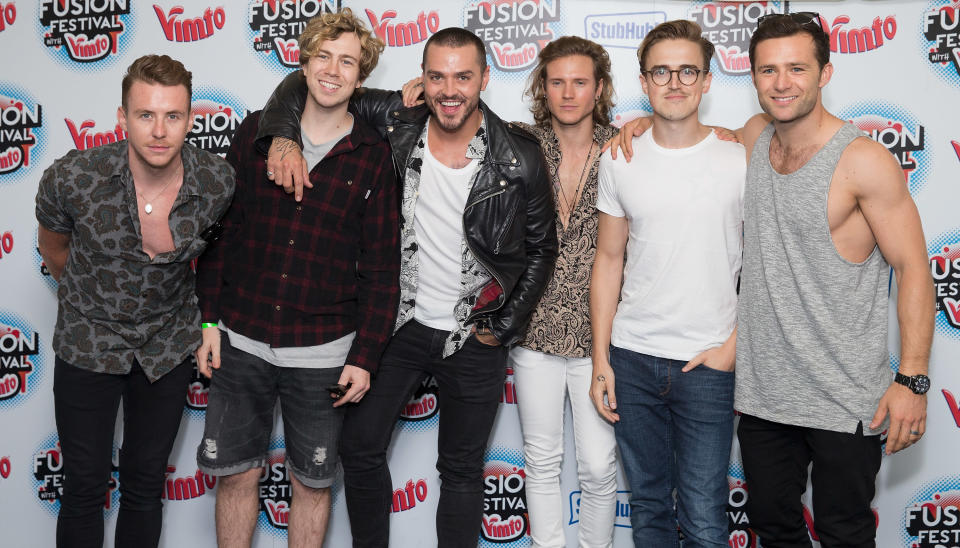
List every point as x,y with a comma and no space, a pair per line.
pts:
243,394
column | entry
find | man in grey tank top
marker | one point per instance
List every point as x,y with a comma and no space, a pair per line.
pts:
826,213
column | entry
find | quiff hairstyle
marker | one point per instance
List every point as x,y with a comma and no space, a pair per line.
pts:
785,25
329,26
456,37
156,69
565,47
678,29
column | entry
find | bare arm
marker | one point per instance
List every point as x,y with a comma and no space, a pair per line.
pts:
882,197
54,248
604,297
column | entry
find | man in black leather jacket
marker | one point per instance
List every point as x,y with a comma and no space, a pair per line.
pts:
478,245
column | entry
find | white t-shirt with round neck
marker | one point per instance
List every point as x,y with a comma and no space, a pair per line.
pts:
438,224
684,208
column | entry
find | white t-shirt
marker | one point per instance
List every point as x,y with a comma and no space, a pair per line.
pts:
438,224
684,208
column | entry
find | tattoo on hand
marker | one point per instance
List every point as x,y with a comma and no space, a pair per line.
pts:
285,146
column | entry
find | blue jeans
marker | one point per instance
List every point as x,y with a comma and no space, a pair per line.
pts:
675,431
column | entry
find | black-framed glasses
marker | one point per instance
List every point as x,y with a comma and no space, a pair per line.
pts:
686,75
801,18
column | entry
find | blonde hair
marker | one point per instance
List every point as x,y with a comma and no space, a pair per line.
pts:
329,26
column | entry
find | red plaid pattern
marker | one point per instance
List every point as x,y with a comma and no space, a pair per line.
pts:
302,274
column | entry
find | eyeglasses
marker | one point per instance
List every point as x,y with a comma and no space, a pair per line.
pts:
661,76
801,18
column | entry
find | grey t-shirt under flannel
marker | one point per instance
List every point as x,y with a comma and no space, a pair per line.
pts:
115,303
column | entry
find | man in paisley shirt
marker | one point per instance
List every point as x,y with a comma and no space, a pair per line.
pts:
477,242
119,226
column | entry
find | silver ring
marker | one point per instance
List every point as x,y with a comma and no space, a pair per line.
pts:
914,433
601,378
269,173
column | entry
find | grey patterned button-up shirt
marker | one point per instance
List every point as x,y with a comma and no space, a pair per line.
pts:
115,303
473,276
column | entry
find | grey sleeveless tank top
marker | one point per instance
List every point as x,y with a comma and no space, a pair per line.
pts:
812,326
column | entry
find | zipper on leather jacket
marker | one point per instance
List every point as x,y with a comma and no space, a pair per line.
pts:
493,273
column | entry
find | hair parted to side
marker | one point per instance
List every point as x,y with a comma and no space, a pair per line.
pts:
456,37
156,69
678,29
784,26
565,47
329,26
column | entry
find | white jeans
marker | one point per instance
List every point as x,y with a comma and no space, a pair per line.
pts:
542,382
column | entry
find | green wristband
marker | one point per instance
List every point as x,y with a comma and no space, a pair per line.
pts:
205,325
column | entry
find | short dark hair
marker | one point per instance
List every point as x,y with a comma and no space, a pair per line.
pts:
787,24
678,29
566,46
156,69
456,37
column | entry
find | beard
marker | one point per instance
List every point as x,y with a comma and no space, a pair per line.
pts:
456,121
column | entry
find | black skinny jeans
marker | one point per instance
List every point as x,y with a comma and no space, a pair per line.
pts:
470,383
86,406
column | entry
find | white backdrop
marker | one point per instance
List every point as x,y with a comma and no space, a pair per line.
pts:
897,76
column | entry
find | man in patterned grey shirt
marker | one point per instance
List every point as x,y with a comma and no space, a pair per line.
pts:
119,225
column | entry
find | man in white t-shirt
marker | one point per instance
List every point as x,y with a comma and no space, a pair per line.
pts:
664,354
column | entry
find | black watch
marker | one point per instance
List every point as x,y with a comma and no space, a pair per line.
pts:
919,384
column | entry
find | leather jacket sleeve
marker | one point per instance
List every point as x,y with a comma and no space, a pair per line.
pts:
511,320
281,114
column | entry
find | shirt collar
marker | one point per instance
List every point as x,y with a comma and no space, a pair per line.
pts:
115,162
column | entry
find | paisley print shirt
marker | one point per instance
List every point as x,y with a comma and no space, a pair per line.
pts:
115,303
560,323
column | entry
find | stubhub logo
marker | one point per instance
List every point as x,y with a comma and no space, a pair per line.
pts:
621,30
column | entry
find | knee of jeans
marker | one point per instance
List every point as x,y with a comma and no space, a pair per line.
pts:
460,477
598,477
541,465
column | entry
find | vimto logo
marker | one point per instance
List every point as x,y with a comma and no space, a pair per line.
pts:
729,25
21,131
900,132
21,357
85,31
944,252
514,31
275,26
420,412
8,15
940,38
394,33
275,493
846,39
85,135
198,392
407,497
741,536
6,243
933,518
504,499
187,487
180,29
216,116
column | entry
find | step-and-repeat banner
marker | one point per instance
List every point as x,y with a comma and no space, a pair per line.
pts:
897,78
